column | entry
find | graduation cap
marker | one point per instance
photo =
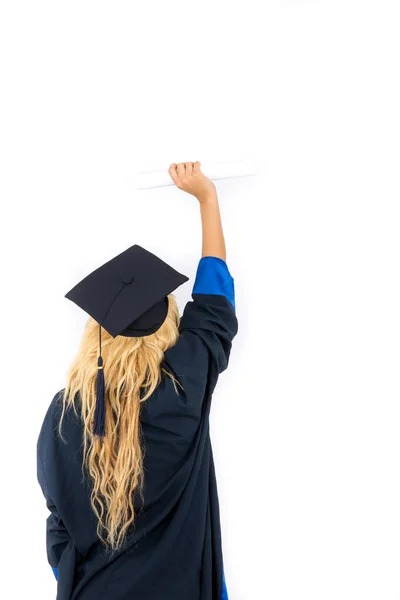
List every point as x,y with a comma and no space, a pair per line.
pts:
127,296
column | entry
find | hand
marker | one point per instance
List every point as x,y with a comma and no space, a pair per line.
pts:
189,178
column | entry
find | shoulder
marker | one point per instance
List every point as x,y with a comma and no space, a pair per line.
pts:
188,358
49,429
47,435
54,409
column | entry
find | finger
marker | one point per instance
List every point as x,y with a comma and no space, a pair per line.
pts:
181,170
189,168
173,173
197,167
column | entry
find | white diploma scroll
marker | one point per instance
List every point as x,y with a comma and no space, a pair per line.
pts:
214,171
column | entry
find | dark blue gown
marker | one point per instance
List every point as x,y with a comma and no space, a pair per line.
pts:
174,551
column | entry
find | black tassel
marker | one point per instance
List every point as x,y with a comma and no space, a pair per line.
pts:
99,427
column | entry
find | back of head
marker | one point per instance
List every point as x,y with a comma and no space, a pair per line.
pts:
132,369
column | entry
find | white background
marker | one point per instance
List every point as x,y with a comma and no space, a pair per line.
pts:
305,422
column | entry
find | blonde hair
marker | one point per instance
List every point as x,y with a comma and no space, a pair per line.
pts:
132,371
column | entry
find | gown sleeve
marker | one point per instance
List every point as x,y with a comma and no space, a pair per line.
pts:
211,314
57,536
173,420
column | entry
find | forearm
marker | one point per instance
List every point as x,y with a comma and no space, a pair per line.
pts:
213,241
189,178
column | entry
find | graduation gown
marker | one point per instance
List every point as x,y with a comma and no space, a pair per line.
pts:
174,551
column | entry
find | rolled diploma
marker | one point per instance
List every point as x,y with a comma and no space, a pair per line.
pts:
215,171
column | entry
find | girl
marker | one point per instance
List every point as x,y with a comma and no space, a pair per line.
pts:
124,455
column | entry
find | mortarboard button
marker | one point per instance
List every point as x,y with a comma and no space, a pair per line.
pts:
127,279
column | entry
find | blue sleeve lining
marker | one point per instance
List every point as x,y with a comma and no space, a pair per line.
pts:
213,277
224,590
55,571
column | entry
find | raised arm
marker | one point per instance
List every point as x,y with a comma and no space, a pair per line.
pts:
211,315
189,178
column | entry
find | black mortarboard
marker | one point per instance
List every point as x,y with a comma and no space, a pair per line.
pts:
127,296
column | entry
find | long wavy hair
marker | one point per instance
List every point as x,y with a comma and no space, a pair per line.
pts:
132,371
